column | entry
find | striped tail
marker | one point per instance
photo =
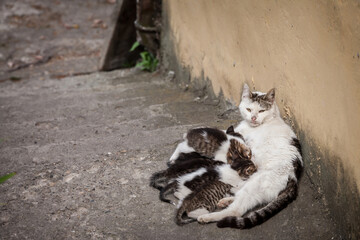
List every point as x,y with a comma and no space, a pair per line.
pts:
181,217
168,189
159,180
284,198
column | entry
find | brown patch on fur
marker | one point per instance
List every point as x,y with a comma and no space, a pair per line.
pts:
245,168
237,150
239,157
264,100
206,145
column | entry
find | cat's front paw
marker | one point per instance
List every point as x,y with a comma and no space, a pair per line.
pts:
223,203
203,219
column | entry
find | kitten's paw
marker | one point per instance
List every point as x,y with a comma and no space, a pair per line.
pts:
203,219
223,203
178,195
171,161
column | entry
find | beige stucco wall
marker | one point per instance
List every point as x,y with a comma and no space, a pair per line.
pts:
308,50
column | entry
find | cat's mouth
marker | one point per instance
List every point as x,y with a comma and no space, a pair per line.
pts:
254,123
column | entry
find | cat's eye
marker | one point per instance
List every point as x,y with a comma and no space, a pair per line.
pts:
261,111
249,110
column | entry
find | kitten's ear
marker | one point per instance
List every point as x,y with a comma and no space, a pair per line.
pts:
245,151
230,129
270,96
246,92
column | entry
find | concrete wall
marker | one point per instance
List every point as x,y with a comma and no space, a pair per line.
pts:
308,50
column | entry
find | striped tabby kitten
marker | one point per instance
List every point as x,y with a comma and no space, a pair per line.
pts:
277,154
210,142
210,187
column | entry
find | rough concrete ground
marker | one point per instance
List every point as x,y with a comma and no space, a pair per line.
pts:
51,38
84,147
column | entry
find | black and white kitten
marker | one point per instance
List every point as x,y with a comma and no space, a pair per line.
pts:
186,163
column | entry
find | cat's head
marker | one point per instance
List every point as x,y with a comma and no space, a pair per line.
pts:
257,107
238,152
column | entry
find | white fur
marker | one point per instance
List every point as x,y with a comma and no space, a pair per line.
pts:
182,147
205,136
198,212
229,176
182,190
220,154
272,153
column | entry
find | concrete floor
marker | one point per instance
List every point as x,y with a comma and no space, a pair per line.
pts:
84,147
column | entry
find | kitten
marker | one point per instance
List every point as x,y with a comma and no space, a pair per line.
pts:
186,163
277,154
190,165
210,142
206,198
210,187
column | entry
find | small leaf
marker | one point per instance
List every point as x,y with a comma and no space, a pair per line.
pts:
6,177
143,55
134,46
141,65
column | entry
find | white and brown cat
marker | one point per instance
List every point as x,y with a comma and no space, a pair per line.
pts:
277,155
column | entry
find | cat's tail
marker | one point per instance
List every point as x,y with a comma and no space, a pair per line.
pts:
284,198
181,217
159,180
168,189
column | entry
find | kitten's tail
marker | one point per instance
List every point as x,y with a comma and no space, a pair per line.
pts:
284,198
168,189
180,214
158,180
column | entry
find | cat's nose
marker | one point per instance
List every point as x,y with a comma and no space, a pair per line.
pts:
253,118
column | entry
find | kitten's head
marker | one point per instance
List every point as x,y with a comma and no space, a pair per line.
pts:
238,152
239,158
257,107
245,168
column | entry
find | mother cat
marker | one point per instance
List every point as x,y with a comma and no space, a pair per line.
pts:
276,152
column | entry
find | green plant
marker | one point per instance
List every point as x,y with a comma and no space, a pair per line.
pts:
148,61
6,177
134,46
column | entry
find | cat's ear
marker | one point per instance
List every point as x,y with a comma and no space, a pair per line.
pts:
270,95
230,129
246,92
